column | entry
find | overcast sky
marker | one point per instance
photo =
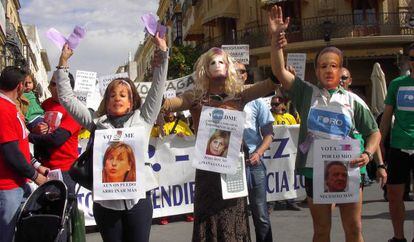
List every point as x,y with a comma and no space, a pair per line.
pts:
114,29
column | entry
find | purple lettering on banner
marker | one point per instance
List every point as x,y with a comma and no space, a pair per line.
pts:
267,182
155,197
285,182
166,196
178,199
277,181
185,194
181,158
281,148
192,189
89,206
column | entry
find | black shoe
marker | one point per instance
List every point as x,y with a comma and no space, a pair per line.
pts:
292,206
397,240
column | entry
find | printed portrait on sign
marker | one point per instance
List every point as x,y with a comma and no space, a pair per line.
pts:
336,176
218,143
119,163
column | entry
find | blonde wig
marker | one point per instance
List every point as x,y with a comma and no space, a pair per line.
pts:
233,84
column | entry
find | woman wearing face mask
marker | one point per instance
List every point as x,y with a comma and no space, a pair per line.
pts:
120,220
331,99
217,85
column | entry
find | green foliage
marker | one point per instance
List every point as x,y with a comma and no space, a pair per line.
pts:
182,60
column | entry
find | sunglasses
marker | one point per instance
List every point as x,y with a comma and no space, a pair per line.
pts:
343,78
241,71
274,104
411,58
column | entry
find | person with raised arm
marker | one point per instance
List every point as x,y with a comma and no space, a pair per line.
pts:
120,220
334,101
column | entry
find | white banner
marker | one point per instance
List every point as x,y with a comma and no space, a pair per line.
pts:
334,180
118,164
219,137
171,163
279,159
179,85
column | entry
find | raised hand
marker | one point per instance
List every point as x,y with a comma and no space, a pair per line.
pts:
161,43
275,21
65,55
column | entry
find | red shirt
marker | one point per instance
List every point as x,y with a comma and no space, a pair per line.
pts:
12,128
56,116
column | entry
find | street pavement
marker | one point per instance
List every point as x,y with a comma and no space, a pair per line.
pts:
296,226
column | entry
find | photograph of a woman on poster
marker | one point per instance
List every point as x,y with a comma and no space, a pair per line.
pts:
218,143
336,176
119,164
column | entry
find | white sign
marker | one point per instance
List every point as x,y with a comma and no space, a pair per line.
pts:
239,53
298,62
118,164
105,80
219,137
334,179
171,164
85,81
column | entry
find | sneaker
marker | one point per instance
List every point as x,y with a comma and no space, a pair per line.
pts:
189,218
393,239
164,221
292,206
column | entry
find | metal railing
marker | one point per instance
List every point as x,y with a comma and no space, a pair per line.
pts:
319,28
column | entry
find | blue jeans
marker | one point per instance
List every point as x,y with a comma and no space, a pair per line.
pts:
10,204
256,177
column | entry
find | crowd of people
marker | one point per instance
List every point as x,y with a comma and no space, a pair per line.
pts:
53,127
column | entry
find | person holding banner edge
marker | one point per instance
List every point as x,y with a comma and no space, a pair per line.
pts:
120,220
327,95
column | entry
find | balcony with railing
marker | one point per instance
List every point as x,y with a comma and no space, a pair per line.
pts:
322,28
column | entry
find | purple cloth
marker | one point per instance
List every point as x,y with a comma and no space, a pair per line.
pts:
152,26
73,40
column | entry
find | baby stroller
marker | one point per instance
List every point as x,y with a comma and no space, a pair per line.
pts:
45,215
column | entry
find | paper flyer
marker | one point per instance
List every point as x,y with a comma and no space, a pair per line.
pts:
219,137
118,164
334,179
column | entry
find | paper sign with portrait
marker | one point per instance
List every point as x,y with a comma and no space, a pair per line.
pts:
219,137
118,164
334,179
